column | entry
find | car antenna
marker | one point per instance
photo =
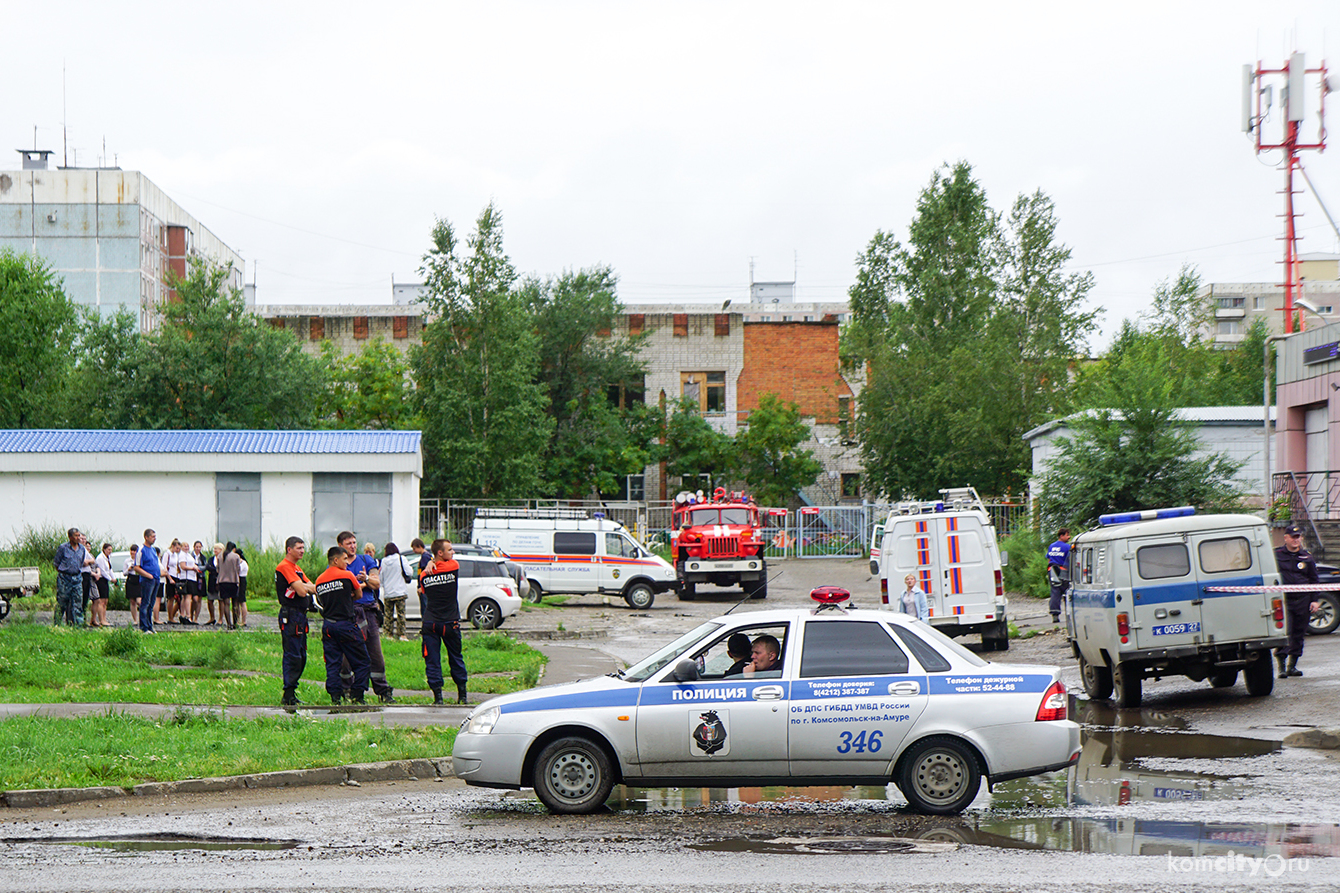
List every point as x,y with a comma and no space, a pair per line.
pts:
748,597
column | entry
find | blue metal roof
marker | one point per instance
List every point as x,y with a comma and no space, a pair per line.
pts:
22,441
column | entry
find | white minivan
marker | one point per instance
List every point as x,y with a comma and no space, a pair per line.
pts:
567,551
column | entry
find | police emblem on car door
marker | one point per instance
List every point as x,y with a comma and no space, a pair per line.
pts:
709,735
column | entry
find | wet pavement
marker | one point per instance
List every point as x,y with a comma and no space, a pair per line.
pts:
1192,791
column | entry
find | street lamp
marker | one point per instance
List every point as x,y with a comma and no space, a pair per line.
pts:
1267,496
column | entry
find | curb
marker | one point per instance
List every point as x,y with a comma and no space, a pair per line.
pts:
357,773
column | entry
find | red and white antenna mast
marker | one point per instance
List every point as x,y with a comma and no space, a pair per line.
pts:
1259,86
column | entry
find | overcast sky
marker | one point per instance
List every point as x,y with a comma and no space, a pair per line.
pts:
675,142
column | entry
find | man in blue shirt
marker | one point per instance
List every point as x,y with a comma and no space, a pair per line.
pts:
1058,571
70,560
365,570
151,572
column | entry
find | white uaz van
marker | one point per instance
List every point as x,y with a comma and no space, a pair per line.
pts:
566,551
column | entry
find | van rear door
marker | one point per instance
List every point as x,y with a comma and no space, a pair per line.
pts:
1165,593
1232,558
950,559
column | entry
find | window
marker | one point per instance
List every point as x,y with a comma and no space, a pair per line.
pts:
722,324
620,546
1160,562
706,389
851,486
400,327
636,322
713,661
360,327
681,325
574,543
1232,303
316,329
637,487
931,660
1325,309
629,393
276,323
1217,556
1227,327
1258,303
1086,566
849,649
483,568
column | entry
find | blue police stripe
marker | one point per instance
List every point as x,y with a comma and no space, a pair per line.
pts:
1161,593
841,687
716,691
577,701
989,683
1093,598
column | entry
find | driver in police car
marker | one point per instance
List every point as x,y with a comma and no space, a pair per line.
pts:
765,651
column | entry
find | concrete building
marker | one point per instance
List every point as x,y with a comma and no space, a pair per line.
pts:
1238,304
111,235
252,487
1237,432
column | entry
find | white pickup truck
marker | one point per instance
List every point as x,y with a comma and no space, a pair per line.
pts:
16,582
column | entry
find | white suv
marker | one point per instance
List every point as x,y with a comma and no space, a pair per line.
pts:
486,594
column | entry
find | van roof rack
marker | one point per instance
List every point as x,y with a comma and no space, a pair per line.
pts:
548,514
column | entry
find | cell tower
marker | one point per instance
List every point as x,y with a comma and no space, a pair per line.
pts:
1259,87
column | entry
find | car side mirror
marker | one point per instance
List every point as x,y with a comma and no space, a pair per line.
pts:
685,671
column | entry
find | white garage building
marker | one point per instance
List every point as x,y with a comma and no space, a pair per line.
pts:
252,487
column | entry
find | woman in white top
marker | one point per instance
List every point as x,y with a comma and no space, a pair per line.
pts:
913,600
102,581
397,576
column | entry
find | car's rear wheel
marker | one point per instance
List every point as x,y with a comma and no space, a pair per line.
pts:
484,613
536,594
1096,679
1224,678
757,588
639,596
1327,617
688,591
940,776
1128,683
573,775
1259,676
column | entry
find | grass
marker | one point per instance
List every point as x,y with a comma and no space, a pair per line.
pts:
44,664
120,750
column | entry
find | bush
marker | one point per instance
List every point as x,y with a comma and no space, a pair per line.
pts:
224,655
1026,572
124,642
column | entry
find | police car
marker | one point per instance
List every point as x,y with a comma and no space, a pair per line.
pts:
853,697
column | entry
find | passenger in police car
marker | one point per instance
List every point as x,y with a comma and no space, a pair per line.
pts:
738,650
1296,565
764,653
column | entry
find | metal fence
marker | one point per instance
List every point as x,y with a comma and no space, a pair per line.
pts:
837,531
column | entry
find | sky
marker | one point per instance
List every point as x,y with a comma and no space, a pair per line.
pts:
679,143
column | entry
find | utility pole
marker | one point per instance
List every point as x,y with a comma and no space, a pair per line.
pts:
1259,86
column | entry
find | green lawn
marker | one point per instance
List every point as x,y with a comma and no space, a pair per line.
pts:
108,749
44,664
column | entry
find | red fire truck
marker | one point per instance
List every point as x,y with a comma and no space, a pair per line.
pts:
718,539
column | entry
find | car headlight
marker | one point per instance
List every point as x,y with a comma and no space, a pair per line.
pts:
482,722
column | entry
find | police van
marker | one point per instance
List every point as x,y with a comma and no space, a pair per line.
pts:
568,551
950,545
1146,602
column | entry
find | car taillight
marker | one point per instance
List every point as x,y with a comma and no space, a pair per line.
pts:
1054,703
1277,611
884,589
1123,627
506,589
1000,583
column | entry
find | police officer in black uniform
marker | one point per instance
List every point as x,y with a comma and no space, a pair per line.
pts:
1296,565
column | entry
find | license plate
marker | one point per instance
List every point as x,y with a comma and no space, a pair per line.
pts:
1177,629
1177,794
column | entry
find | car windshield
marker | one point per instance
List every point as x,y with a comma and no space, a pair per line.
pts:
699,517
930,633
735,516
639,671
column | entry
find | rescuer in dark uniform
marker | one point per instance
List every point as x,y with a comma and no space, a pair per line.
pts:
442,621
336,592
1296,565
294,591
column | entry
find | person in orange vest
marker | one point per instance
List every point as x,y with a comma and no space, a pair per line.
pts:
336,592
442,621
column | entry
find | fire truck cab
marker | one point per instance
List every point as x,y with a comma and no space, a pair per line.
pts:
718,539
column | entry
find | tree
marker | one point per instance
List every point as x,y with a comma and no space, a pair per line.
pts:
693,447
102,386
37,340
596,441
370,389
484,416
1134,454
212,364
768,453
967,331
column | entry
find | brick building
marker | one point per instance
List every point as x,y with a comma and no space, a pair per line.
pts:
348,327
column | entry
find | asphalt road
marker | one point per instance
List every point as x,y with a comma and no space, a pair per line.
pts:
1194,791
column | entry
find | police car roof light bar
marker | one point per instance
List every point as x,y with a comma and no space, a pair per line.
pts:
830,595
1180,511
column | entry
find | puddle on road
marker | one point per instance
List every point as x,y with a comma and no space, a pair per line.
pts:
143,843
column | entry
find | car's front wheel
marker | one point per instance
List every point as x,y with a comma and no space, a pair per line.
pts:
484,613
940,776
573,775
1327,616
639,596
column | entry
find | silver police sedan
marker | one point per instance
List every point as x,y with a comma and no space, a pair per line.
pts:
831,696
